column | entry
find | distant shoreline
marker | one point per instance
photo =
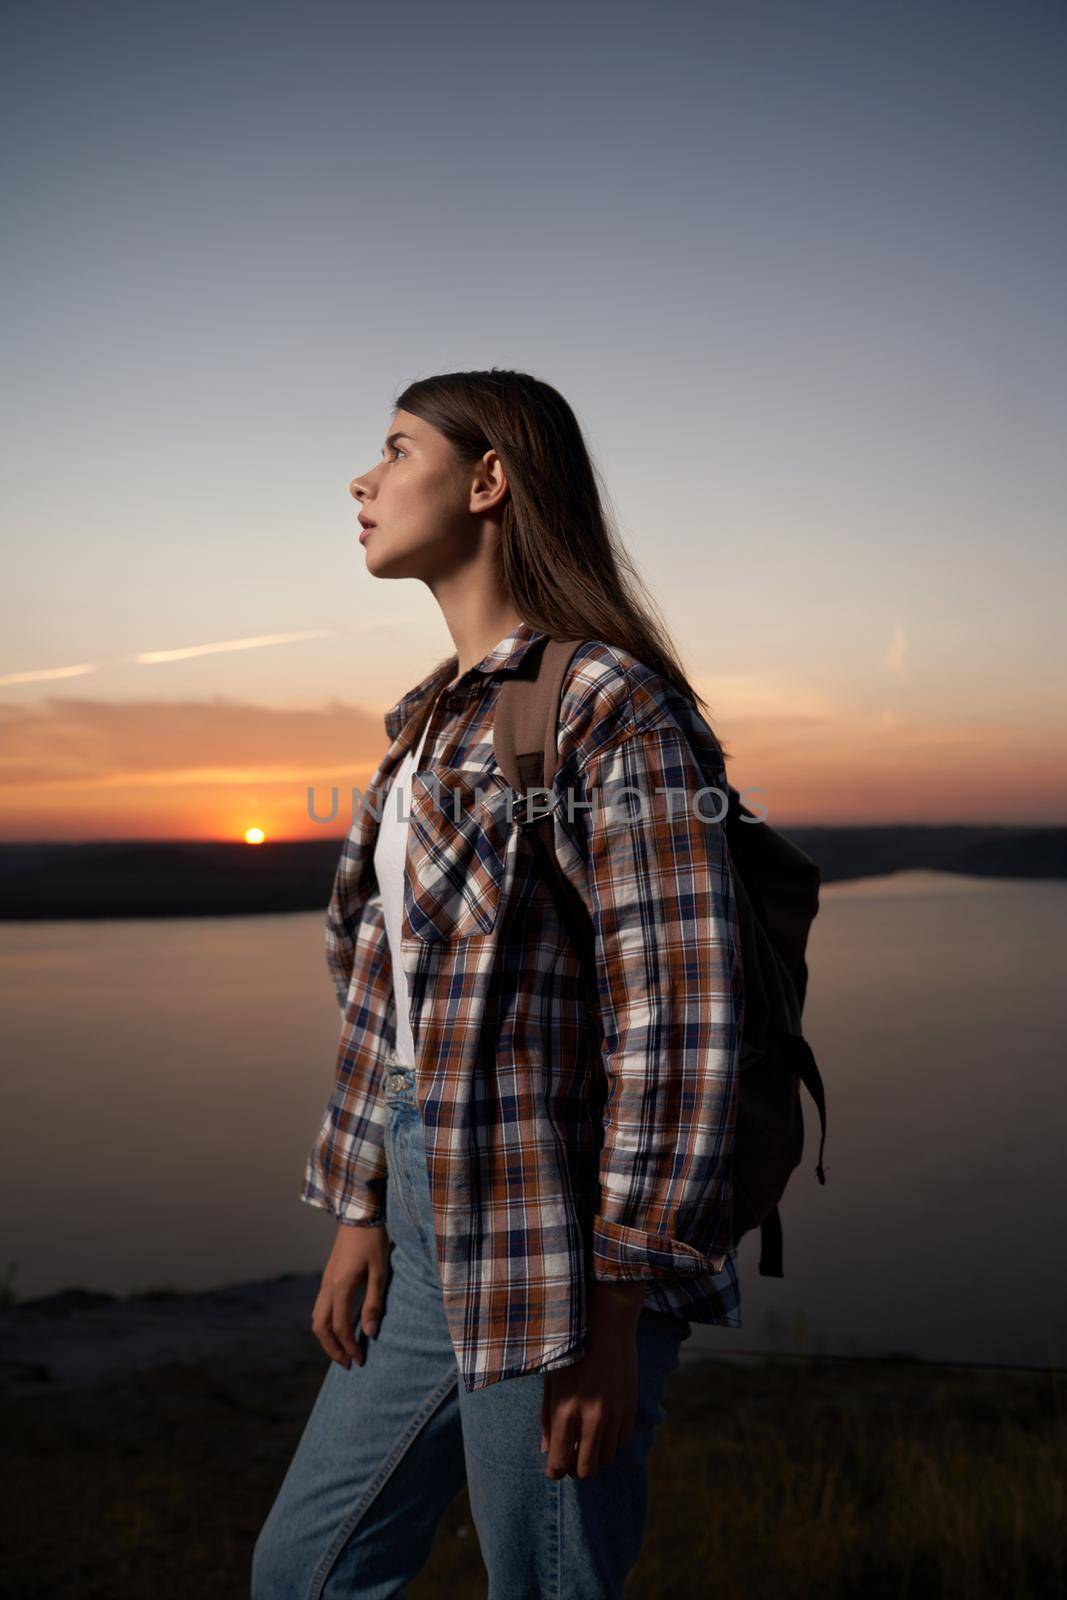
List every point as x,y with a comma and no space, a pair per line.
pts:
188,878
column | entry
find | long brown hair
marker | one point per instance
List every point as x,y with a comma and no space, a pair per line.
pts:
562,562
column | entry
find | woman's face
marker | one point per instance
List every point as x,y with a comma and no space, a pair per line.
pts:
424,505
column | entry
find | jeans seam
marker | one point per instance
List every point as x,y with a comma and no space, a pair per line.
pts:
388,1466
398,1188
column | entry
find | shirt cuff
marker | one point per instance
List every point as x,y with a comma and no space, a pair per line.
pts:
621,1253
351,1216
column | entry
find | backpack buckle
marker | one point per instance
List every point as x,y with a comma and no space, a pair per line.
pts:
532,806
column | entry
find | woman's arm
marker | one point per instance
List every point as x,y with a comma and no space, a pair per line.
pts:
345,1172
343,916
657,881
655,876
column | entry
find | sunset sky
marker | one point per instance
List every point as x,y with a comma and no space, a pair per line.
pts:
798,268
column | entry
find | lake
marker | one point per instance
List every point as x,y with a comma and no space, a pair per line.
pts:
164,1080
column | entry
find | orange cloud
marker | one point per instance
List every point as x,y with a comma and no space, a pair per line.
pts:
821,759
210,769
92,769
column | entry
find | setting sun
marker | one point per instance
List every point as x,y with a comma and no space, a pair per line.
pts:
254,836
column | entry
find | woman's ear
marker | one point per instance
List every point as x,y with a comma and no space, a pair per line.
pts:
490,486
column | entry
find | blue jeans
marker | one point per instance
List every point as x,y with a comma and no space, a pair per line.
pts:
389,1445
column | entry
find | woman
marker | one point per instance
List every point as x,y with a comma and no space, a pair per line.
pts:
558,1205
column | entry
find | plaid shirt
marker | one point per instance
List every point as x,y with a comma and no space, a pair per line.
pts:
554,1154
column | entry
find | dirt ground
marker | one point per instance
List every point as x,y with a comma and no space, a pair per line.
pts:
795,1478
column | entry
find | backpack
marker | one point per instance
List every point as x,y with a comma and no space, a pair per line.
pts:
777,896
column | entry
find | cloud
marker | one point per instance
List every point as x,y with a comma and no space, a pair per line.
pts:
211,767
895,658
39,674
738,698
150,658
98,743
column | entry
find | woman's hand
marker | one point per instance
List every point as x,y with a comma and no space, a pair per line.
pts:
589,1408
359,1255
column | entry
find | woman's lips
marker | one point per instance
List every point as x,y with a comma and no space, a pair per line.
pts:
365,532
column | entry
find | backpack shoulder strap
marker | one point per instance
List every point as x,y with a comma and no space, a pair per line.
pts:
526,747
526,718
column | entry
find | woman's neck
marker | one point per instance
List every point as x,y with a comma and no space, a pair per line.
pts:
475,635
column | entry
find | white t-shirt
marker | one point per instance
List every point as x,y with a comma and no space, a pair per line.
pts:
390,854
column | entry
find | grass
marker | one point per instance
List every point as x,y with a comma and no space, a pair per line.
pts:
784,1480
864,1479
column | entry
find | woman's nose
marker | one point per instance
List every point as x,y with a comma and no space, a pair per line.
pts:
356,490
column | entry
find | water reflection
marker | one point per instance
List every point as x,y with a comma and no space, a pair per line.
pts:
164,1079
